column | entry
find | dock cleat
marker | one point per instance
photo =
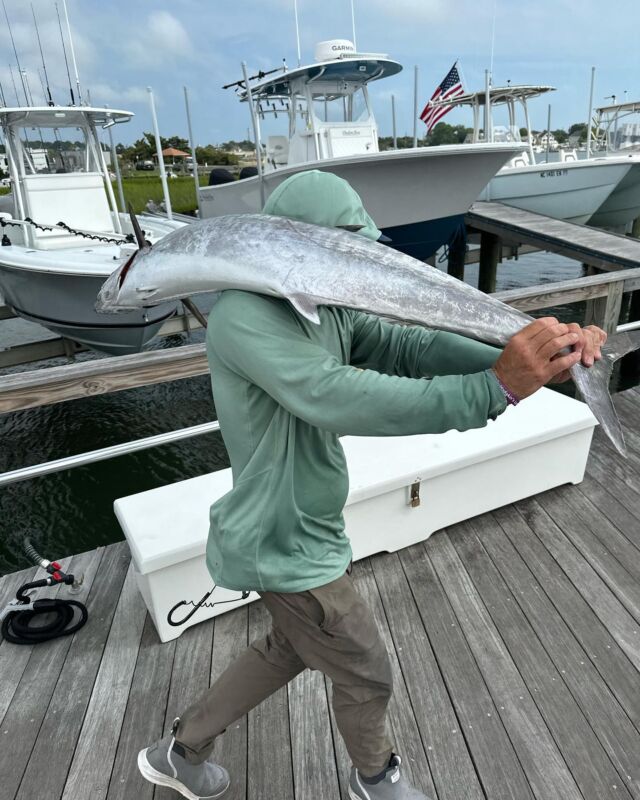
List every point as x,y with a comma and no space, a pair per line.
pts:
163,765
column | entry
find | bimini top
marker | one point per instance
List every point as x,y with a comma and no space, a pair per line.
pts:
62,116
354,68
498,95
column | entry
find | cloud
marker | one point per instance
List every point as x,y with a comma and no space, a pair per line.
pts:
162,37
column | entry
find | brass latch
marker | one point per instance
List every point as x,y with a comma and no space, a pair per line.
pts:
415,494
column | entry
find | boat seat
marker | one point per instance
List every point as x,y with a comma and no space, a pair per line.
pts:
402,489
77,199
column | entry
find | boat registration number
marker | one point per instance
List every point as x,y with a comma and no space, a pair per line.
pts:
554,173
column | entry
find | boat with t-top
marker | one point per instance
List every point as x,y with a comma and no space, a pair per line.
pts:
63,233
417,196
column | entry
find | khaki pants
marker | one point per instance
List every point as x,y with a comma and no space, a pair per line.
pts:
330,629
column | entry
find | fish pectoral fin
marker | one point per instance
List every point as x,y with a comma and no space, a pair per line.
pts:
305,306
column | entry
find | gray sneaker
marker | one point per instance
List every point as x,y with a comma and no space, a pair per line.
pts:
162,765
391,787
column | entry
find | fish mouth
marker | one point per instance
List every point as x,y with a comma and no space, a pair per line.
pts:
107,300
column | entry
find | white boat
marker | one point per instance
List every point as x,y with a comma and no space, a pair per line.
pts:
62,232
622,139
418,196
569,188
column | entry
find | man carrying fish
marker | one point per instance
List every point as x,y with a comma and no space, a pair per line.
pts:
288,380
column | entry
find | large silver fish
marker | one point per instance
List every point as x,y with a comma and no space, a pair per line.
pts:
312,266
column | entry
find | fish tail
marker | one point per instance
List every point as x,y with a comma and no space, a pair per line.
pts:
593,384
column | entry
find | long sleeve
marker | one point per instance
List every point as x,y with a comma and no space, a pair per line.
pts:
413,351
263,342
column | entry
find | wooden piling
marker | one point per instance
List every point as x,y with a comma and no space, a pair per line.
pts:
490,252
635,228
456,259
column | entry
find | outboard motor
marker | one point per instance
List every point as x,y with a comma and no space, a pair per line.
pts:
220,175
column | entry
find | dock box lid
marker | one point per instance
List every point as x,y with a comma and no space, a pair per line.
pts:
170,524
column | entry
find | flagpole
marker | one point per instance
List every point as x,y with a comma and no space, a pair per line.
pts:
415,106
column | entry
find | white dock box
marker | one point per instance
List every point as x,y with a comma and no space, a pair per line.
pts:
402,489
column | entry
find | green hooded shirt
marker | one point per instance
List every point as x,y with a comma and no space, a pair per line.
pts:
286,389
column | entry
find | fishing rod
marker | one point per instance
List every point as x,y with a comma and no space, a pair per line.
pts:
15,52
260,75
13,81
44,66
18,615
66,60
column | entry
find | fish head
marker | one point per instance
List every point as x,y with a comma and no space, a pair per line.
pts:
119,294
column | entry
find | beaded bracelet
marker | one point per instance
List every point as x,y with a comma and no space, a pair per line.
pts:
512,399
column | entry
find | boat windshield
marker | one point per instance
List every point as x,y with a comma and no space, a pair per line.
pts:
340,105
57,151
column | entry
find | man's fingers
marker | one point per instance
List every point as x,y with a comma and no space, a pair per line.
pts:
557,343
559,365
537,326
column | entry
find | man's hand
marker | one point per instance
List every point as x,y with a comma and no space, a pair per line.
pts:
534,357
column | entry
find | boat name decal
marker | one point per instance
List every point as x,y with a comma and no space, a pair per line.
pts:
352,132
554,173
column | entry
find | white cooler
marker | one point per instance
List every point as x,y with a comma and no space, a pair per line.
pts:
402,489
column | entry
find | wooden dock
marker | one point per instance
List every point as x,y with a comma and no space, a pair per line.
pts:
514,638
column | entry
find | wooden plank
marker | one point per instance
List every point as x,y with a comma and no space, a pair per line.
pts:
601,249
567,291
605,687
230,639
144,715
314,764
606,606
64,687
579,527
269,737
37,682
58,384
549,682
189,679
495,760
93,758
451,764
405,733
541,760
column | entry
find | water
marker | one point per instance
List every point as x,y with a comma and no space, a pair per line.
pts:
72,511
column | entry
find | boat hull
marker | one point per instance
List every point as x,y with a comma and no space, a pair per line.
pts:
571,191
418,197
64,304
623,204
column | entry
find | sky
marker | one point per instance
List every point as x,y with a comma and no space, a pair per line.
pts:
124,46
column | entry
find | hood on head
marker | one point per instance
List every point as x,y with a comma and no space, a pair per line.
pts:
321,198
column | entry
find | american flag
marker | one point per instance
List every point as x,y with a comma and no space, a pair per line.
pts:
450,87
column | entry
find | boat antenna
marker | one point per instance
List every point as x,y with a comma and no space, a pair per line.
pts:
493,40
26,83
66,61
295,13
44,66
73,53
15,52
353,26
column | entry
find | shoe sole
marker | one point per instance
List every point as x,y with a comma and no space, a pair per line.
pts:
352,794
159,778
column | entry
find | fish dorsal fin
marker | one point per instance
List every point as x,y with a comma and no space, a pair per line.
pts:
306,307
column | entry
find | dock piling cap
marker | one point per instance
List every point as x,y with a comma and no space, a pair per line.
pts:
333,48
